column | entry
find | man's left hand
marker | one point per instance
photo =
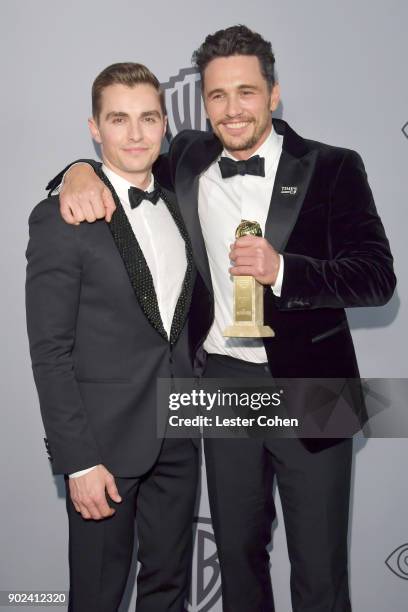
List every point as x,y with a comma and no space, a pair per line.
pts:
254,256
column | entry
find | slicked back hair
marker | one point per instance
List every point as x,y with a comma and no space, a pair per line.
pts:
124,73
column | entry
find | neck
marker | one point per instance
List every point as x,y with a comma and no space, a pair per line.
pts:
137,179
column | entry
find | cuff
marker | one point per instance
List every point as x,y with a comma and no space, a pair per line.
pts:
277,287
82,472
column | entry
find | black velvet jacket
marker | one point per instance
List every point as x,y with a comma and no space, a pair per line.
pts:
335,250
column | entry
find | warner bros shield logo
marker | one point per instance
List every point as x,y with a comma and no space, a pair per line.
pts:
205,589
185,108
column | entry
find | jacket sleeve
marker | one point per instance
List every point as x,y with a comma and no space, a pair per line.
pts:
359,271
161,170
53,286
57,180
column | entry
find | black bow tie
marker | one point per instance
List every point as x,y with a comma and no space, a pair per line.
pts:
254,165
136,196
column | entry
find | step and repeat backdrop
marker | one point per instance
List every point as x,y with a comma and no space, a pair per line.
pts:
342,67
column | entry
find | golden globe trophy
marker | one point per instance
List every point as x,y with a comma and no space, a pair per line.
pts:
248,298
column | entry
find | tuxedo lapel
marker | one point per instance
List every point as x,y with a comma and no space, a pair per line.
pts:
196,158
189,197
295,170
184,300
135,263
291,184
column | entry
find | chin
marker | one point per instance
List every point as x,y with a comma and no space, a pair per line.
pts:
236,145
135,168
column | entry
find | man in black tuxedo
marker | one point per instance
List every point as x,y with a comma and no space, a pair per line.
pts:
107,315
323,249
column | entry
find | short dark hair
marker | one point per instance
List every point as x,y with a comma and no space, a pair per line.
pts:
236,40
124,73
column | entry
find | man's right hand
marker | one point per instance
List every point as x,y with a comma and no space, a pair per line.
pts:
84,197
88,493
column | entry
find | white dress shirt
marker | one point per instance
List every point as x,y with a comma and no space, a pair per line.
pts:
222,204
163,248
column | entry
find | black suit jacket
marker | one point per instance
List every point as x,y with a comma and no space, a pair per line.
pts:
97,340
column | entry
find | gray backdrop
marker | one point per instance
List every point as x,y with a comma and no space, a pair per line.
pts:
342,69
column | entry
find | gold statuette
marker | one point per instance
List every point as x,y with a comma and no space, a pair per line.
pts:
248,298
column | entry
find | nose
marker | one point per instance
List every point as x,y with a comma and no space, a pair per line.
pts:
233,106
134,131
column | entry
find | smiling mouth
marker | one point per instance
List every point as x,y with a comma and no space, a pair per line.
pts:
236,125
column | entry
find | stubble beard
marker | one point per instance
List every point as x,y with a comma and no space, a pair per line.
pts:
246,144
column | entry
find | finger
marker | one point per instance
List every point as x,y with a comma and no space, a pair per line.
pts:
66,213
244,261
83,511
108,204
242,271
235,252
88,210
93,509
72,205
103,508
93,203
247,240
77,211
97,206
112,490
251,252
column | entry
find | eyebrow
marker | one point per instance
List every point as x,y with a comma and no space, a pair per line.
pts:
149,113
220,90
112,114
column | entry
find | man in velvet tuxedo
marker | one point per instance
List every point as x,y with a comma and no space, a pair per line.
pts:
107,314
323,249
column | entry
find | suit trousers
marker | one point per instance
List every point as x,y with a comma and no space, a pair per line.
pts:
100,552
314,488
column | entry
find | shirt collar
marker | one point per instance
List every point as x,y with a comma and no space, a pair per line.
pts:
270,149
122,185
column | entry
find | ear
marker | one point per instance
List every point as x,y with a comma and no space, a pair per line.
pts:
275,97
93,128
164,126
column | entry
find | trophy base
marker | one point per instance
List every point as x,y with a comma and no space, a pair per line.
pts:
248,331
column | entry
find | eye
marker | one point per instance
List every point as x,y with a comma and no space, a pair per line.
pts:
151,119
398,561
118,120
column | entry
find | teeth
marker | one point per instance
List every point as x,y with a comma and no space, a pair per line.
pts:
236,126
